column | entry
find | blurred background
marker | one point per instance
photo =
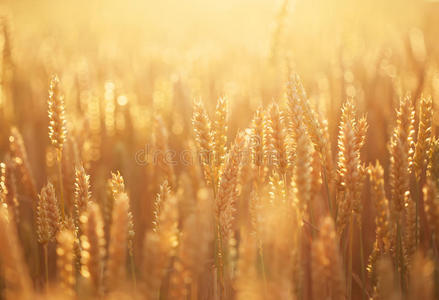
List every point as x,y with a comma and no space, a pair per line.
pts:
123,62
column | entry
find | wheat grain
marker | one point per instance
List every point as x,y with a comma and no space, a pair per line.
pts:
400,147
82,193
202,129
47,215
227,193
424,136
219,136
57,119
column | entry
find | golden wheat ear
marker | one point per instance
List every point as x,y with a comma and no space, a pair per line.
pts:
57,119
202,127
257,144
424,136
350,172
227,192
162,196
47,215
82,193
296,95
401,147
57,131
117,184
219,136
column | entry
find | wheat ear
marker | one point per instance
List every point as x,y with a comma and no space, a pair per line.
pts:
202,129
57,129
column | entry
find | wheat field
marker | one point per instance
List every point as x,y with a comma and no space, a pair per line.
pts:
216,150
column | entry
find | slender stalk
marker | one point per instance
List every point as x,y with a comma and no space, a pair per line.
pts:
325,180
264,274
400,254
220,262
363,267
287,190
418,199
46,265
133,271
351,238
61,185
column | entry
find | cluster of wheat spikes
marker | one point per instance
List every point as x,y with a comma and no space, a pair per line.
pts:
304,216
108,193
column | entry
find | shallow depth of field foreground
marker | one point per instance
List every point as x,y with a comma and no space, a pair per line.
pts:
219,150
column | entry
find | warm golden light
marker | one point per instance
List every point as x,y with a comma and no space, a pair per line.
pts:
219,150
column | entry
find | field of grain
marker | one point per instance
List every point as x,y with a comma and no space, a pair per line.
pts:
219,150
